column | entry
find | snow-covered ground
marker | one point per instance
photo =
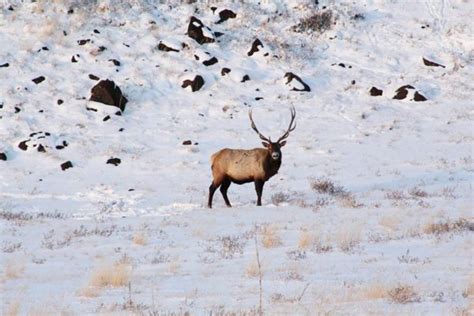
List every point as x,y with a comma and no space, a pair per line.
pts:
370,213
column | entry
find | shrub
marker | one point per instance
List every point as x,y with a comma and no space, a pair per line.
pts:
403,294
279,198
318,22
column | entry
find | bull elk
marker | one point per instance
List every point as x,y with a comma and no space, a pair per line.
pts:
242,166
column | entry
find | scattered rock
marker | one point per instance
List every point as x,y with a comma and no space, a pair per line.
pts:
114,161
197,30
258,98
187,142
41,148
195,84
210,62
96,31
375,92
213,9
430,63
245,78
115,61
402,92
66,165
291,76
39,79
166,48
226,14
83,41
218,34
3,156
419,97
107,92
105,119
17,109
255,47
225,71
73,59
93,77
5,65
23,146
59,102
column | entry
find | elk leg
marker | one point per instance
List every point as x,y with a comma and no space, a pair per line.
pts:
224,186
259,189
212,189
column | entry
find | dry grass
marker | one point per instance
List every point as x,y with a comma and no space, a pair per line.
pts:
448,226
349,201
306,240
348,237
403,294
89,292
139,239
375,291
13,309
390,223
252,270
13,270
270,237
116,275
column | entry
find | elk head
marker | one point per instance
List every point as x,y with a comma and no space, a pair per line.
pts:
274,148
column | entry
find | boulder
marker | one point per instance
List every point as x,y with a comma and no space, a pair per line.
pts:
292,77
107,92
195,84
199,32
226,14
375,92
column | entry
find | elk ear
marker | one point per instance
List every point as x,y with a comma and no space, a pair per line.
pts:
283,143
266,145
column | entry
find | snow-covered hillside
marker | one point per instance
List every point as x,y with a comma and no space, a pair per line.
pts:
370,213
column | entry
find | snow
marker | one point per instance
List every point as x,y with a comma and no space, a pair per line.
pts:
404,166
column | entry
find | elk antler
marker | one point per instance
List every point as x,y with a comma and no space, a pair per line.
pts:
290,128
255,129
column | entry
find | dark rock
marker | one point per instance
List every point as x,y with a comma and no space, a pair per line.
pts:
10,8
73,59
402,92
96,31
291,76
375,92
3,156
17,109
218,34
60,101
342,65
44,48
41,148
70,11
39,79
165,48
107,92
91,109
358,16
353,82
101,49
114,161
93,77
23,146
225,71
5,65
430,63
255,47
66,165
83,41
115,61
195,84
419,97
105,119
210,62
258,98
195,31
187,142
213,9
245,78
226,14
